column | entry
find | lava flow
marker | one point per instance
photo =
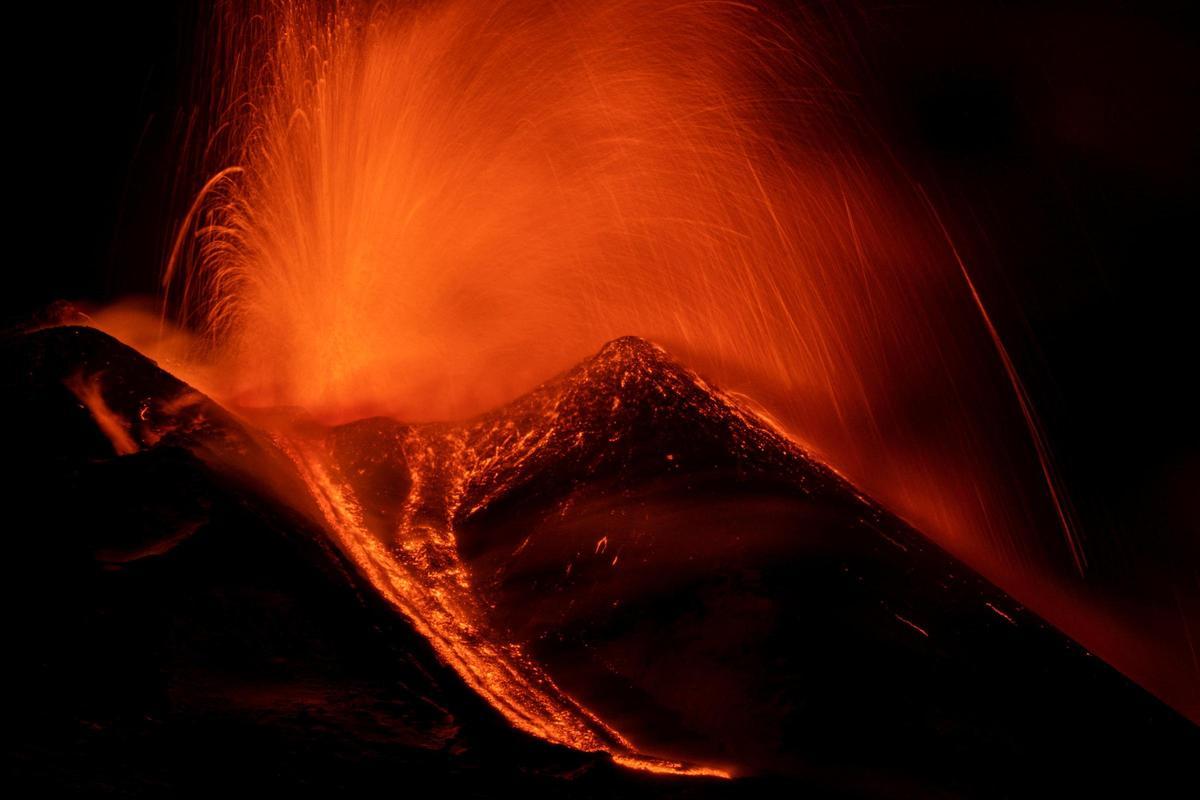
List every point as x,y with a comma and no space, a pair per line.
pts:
417,211
412,559
423,209
624,561
395,495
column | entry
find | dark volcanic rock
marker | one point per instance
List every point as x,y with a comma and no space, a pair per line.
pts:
625,416
719,595
180,623
173,628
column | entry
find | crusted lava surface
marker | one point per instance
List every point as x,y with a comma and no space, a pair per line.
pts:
183,618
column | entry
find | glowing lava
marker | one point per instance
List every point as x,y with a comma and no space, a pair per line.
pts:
405,544
422,211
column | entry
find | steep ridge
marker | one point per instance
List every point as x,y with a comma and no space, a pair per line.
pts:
624,561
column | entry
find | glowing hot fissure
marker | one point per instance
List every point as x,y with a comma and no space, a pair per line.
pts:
416,568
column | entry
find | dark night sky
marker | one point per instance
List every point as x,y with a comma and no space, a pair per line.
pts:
1063,133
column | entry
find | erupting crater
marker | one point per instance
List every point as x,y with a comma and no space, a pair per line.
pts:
623,562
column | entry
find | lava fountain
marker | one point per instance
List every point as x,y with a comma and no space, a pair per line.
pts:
425,210
422,210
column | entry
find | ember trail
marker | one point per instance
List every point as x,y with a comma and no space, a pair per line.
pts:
419,211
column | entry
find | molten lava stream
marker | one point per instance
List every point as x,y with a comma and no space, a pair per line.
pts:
417,569
421,210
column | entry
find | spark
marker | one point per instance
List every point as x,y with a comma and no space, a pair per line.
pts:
912,625
1001,613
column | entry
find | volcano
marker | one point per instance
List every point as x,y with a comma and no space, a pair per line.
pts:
623,583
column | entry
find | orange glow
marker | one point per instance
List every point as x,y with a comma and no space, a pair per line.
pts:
423,210
92,397
413,561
